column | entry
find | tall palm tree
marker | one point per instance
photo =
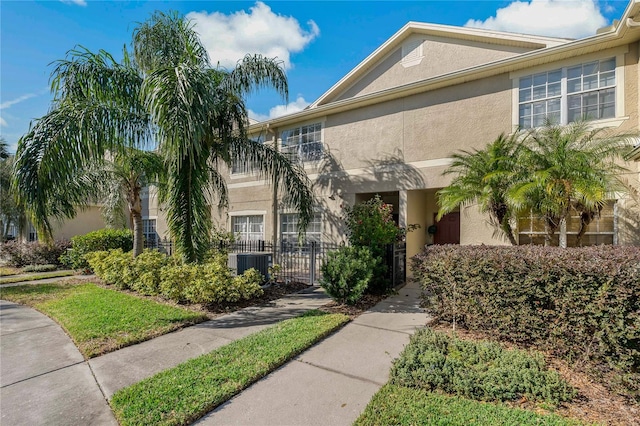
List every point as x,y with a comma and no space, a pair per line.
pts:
96,111
201,120
169,97
483,177
568,169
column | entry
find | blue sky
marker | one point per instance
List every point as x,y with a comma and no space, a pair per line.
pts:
320,41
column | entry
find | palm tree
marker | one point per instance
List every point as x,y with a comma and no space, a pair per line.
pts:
4,149
201,120
118,181
96,111
568,169
168,97
483,177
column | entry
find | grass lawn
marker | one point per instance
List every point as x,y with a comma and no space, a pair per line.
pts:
397,405
182,394
101,320
34,277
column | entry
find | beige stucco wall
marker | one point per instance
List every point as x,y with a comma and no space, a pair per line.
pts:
403,145
441,56
86,220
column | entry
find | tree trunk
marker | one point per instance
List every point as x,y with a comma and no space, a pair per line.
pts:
138,238
563,232
135,210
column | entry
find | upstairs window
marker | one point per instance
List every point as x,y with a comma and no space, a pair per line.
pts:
303,143
564,95
240,166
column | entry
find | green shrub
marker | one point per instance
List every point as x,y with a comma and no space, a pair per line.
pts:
146,272
113,267
477,370
102,239
175,278
18,254
40,268
346,273
211,282
153,273
581,303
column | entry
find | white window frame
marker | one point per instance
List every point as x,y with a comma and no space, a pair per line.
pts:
247,214
292,236
295,149
146,220
618,54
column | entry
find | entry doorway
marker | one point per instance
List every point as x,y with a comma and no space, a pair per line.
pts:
447,229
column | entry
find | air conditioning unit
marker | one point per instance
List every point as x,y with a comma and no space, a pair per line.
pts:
240,262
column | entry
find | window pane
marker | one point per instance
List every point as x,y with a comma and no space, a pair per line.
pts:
525,95
590,68
540,79
607,111
553,89
574,85
525,82
590,99
555,76
539,120
539,108
525,110
553,105
539,92
574,72
608,79
590,82
608,96
608,65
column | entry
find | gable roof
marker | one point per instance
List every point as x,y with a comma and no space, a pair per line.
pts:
446,31
625,31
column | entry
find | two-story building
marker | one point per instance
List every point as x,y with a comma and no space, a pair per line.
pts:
390,125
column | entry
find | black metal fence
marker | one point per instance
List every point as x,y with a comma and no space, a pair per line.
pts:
301,262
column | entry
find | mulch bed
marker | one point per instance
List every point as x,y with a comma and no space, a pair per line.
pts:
367,302
594,402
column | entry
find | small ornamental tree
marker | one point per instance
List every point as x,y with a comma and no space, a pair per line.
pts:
370,224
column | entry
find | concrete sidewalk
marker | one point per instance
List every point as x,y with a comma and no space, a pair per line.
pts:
44,379
129,365
331,383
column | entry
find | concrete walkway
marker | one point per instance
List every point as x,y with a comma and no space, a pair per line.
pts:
129,365
44,379
331,383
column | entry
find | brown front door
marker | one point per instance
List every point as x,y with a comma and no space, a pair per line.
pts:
448,229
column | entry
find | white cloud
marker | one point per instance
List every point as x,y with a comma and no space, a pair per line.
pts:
3,122
229,38
76,2
279,110
554,18
17,100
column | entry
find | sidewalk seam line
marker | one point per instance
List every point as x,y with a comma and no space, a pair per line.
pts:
28,329
342,373
386,329
42,374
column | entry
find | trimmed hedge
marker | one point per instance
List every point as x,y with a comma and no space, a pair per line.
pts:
100,240
154,273
346,273
17,254
583,304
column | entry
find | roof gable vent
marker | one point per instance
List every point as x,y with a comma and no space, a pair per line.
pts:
412,52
